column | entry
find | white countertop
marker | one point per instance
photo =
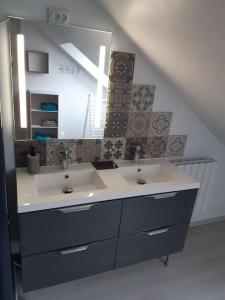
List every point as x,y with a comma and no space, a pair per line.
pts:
29,199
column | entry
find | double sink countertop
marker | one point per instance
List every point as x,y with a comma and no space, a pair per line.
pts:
44,190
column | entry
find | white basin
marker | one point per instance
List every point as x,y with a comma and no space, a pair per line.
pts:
44,190
149,174
79,180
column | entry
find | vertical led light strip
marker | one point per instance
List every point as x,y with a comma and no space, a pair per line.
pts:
22,80
98,106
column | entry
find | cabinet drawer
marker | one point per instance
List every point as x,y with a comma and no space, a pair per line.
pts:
67,227
55,267
155,211
151,244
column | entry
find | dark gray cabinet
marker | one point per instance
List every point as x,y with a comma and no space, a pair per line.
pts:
67,243
70,226
142,246
55,267
156,211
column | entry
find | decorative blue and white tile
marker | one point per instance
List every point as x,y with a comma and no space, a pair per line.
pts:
22,148
131,144
88,150
142,98
113,149
116,125
156,146
119,97
121,67
160,123
138,124
176,145
56,149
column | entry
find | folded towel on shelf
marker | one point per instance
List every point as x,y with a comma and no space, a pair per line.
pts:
49,123
42,136
48,106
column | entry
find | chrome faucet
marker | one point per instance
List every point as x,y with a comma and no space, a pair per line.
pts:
66,159
137,154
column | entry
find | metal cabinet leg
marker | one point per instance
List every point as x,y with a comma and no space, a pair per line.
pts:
165,260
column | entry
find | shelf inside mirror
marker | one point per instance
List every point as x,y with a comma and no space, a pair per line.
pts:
44,111
44,127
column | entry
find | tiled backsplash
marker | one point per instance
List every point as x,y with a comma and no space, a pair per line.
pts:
130,121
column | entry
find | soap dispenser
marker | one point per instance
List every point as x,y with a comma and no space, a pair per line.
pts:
33,160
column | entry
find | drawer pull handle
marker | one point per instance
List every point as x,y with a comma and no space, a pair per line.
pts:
67,210
70,251
159,231
163,196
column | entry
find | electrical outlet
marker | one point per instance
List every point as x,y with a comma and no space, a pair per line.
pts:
58,16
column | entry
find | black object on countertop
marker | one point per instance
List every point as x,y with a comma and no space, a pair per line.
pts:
103,165
32,151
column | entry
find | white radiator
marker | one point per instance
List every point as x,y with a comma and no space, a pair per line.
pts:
200,169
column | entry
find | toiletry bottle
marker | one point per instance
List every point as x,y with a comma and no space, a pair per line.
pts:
33,160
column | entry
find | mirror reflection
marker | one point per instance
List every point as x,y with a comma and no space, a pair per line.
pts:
60,80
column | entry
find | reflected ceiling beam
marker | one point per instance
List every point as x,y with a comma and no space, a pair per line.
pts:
84,62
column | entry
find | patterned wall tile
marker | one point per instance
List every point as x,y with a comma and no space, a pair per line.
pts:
88,150
160,123
121,67
176,145
120,86
22,148
142,98
116,124
131,144
119,96
138,124
156,146
56,148
113,149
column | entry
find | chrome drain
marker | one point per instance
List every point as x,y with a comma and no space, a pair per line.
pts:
67,190
141,181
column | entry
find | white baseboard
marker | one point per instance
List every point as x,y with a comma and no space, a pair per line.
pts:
207,221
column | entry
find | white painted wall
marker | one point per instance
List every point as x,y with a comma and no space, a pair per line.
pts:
201,142
185,40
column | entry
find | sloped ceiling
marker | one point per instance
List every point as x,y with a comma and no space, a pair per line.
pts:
185,39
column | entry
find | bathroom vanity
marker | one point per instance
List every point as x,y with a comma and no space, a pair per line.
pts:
108,222
82,221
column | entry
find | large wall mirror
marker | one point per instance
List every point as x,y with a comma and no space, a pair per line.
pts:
60,80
